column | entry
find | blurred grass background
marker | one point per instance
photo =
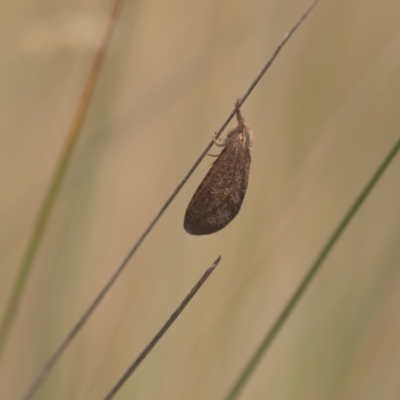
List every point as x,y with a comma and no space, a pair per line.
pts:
324,116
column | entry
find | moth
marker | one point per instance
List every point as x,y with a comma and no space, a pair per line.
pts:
220,195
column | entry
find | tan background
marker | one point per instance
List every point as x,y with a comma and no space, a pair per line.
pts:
324,116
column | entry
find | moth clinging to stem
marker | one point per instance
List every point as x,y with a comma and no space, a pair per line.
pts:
220,195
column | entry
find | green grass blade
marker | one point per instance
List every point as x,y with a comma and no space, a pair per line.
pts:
315,267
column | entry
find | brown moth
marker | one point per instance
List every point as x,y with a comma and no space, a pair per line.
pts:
219,197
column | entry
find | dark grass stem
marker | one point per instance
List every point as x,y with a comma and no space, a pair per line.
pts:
315,267
55,185
162,331
70,336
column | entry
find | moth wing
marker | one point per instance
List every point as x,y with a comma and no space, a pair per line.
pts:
219,197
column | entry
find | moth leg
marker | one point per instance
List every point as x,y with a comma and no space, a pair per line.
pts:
214,138
212,155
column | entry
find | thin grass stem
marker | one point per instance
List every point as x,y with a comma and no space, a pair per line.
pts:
86,315
162,331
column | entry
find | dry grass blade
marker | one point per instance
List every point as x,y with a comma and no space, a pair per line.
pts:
50,198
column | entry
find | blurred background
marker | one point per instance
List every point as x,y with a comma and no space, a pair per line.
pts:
324,117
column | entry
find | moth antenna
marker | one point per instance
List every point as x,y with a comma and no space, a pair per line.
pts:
239,115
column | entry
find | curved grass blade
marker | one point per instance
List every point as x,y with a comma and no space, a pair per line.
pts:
315,267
